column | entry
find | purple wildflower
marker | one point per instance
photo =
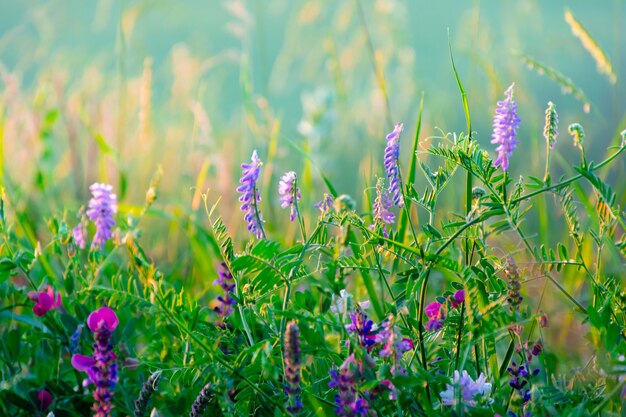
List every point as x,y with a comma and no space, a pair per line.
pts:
75,338
349,403
148,388
79,234
45,301
363,327
457,298
382,204
250,196
291,357
102,208
226,282
505,124
201,402
101,369
392,153
436,314
468,390
326,204
44,399
394,345
290,194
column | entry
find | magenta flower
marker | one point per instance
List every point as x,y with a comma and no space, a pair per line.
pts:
101,369
458,298
392,153
102,208
44,399
45,301
250,196
290,194
505,124
436,314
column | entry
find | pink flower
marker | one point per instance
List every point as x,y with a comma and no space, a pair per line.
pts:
102,314
44,399
45,301
433,310
458,298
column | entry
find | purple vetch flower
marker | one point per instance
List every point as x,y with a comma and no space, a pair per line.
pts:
457,298
290,194
392,153
79,233
44,400
436,313
394,345
102,208
505,124
349,403
380,208
201,402
227,283
363,327
75,338
468,390
250,196
101,368
326,204
291,357
45,301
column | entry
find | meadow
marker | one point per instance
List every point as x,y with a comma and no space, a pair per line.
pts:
312,208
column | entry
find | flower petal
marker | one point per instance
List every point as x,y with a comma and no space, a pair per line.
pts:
83,363
102,314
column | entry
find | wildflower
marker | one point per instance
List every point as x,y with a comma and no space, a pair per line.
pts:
457,298
340,304
520,380
550,129
394,345
349,403
102,208
465,388
514,297
44,399
382,203
291,357
101,369
75,338
392,153
250,196
289,192
363,327
325,204
201,402
437,314
227,283
505,124
145,394
45,301
79,234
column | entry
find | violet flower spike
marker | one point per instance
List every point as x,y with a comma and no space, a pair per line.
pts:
349,404
102,208
227,283
392,169
326,204
380,207
290,194
505,124
470,391
291,357
101,369
363,327
250,196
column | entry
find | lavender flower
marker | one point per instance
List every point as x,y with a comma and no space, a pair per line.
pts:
250,196
102,208
394,345
291,357
290,194
326,204
364,328
75,338
226,282
465,388
349,403
505,124
201,402
145,394
392,153
79,234
101,368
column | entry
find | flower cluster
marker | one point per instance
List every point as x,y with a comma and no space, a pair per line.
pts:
226,282
514,298
201,402
392,169
326,204
380,208
505,125
394,345
250,196
290,194
101,368
291,358
102,208
468,391
45,301
437,312
521,375
363,327
148,388
349,402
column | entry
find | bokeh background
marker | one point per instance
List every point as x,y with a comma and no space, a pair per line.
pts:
111,90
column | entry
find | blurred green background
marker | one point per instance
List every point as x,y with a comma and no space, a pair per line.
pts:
110,90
